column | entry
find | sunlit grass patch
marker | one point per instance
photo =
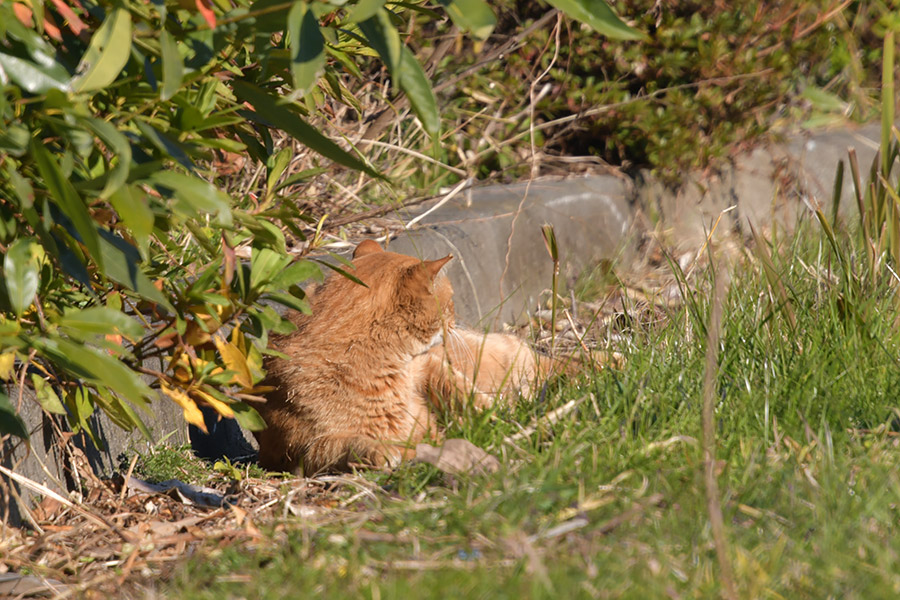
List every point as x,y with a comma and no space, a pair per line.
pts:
606,498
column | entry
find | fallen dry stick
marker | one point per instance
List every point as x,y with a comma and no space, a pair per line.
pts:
45,491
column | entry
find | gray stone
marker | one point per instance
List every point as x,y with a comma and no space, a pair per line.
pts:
771,187
500,264
813,160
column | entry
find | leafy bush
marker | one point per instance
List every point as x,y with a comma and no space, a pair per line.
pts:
708,76
118,246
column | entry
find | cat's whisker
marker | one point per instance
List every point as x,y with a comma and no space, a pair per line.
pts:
470,356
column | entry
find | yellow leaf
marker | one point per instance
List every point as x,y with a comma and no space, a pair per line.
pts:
220,407
7,362
195,336
192,413
237,338
260,389
235,361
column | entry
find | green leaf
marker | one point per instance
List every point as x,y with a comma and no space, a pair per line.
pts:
198,195
383,36
14,139
80,402
165,144
363,10
99,320
598,15
474,16
130,202
68,199
247,417
298,272
269,112
221,144
34,79
173,67
120,413
298,304
345,60
93,365
270,16
342,272
107,53
265,266
413,81
123,266
276,166
46,396
307,47
12,423
136,419
119,147
9,333
21,186
404,67
20,273
297,177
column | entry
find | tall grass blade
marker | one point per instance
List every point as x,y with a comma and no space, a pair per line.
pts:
840,253
837,193
887,101
687,293
553,249
710,395
776,285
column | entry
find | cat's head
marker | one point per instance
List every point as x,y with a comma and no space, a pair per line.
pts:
413,293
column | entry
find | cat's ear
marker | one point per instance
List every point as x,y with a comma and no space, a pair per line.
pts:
367,247
433,267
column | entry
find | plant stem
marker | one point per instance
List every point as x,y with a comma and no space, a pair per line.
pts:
713,505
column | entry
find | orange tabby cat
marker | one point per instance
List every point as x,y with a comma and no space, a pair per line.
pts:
364,365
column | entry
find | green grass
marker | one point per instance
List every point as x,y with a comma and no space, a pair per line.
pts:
163,462
809,474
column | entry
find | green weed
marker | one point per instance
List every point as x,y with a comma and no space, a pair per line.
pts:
162,463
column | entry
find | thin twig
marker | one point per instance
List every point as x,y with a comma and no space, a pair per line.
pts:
534,99
549,419
534,168
377,212
580,338
388,116
710,386
464,184
608,107
44,490
124,491
418,155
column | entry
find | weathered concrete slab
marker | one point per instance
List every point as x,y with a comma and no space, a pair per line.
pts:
501,264
772,186
43,464
813,160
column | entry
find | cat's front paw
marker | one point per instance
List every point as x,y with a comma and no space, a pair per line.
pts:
457,457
